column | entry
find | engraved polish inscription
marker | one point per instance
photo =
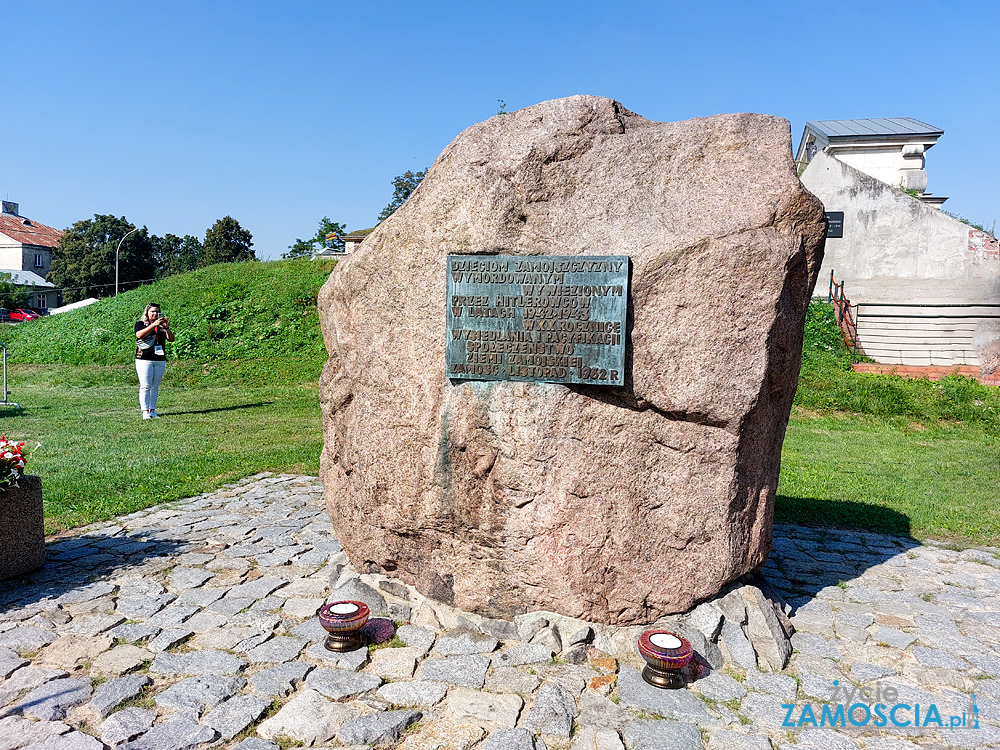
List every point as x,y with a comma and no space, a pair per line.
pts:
558,319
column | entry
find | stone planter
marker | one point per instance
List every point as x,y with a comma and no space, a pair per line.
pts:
22,530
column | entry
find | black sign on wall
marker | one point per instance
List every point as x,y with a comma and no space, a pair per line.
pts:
835,224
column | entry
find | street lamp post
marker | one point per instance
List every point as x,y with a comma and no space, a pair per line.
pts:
117,251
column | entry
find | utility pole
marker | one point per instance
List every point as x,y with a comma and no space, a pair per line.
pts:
116,256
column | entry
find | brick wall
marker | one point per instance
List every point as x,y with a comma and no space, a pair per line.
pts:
931,372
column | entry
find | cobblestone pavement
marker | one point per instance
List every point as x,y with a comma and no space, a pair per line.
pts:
193,624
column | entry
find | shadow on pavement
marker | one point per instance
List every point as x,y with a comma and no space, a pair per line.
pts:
840,514
74,566
830,544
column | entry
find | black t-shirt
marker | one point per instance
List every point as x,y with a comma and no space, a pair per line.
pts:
156,339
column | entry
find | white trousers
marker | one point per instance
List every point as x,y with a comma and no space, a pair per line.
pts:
150,374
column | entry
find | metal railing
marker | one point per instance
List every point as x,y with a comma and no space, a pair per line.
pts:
6,393
842,311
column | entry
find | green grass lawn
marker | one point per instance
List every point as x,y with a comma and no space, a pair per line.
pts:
240,395
99,459
891,475
883,453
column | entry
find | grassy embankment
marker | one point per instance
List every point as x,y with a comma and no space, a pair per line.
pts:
239,396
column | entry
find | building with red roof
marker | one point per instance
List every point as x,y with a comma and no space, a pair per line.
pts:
26,250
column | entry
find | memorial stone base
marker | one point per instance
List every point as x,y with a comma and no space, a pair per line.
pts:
745,626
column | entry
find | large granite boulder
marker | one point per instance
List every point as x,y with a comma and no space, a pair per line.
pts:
615,505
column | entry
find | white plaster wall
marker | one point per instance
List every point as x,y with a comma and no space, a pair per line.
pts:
16,255
896,249
11,256
882,164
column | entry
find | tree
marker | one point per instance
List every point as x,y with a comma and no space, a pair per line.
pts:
84,262
404,184
306,248
227,242
176,254
13,296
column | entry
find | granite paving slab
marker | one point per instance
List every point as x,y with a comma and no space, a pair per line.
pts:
168,638
199,694
377,729
467,671
69,741
91,625
636,693
17,731
417,637
223,638
9,661
395,663
109,695
233,716
522,653
25,638
279,681
126,725
501,709
552,712
719,686
277,650
69,650
338,684
511,680
134,632
352,660
196,663
142,607
27,678
199,598
51,700
464,642
308,718
517,738
255,743
176,733
661,734
413,693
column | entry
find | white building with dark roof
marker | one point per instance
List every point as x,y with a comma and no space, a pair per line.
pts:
26,250
925,287
891,149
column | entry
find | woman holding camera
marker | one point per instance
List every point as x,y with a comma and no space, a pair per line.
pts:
151,333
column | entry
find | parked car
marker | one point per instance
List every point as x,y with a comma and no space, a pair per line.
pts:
22,314
4,316
41,311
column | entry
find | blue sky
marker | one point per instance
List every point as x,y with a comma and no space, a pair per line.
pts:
176,114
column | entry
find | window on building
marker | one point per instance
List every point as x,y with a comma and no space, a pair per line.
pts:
38,260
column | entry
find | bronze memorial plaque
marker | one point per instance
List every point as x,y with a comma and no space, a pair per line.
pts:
559,319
